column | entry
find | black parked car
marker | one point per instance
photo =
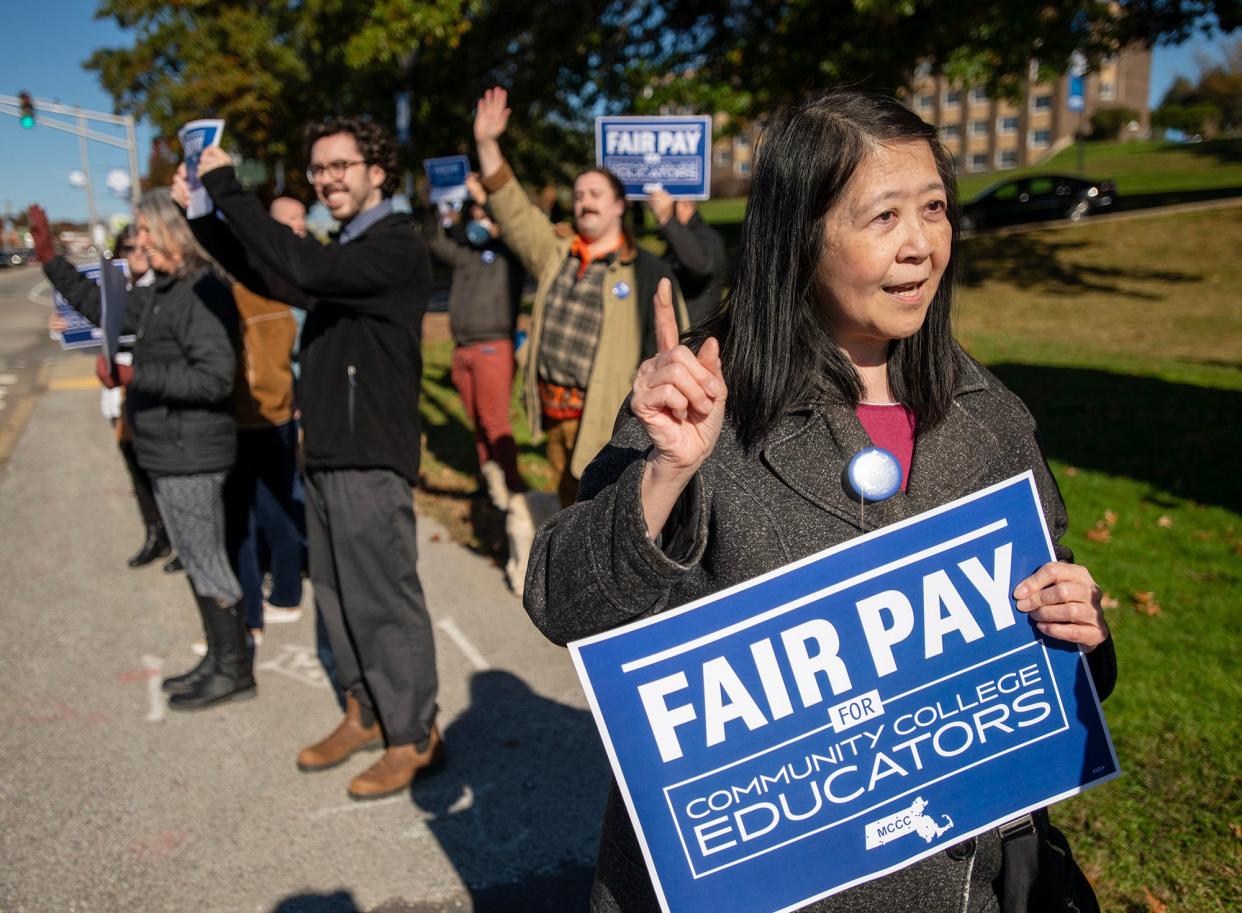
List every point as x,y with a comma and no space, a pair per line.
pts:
1038,199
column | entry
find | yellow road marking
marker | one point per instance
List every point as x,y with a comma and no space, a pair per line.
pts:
75,383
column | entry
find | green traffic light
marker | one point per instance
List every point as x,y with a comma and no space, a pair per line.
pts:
27,121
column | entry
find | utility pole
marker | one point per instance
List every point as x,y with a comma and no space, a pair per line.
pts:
86,173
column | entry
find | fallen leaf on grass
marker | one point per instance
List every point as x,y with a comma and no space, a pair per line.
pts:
1100,534
1108,602
1165,521
1110,519
1145,603
1203,535
1154,903
1071,471
1236,828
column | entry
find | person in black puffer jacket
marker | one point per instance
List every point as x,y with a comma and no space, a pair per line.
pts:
180,408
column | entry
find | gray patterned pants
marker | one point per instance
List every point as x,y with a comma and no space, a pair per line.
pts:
193,510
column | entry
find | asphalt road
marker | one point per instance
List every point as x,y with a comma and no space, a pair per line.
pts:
110,803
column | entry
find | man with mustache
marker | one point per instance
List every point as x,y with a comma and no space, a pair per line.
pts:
593,320
365,294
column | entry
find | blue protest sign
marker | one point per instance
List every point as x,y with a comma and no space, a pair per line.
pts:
196,136
80,333
847,714
447,178
673,153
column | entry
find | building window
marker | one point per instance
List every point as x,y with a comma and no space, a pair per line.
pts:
1009,125
1108,91
743,167
1041,139
978,95
723,155
950,132
1007,158
952,98
978,161
978,128
927,102
1043,102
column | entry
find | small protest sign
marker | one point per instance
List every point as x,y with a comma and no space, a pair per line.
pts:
645,153
848,714
196,136
80,333
113,298
446,177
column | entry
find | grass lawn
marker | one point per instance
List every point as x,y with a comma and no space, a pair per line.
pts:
1125,339
1141,169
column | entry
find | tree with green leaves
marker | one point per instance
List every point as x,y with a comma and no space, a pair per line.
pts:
268,68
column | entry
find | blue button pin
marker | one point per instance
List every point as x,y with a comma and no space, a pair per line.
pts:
621,290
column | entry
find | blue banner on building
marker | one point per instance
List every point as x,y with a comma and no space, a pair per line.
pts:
673,153
846,715
447,178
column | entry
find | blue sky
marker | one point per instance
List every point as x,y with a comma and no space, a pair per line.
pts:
43,52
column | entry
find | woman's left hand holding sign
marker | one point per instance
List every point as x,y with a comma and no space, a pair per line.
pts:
1064,602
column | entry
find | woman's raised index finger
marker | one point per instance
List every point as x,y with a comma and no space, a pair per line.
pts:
665,318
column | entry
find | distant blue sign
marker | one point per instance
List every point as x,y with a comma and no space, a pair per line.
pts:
80,333
447,177
673,153
846,715
1077,100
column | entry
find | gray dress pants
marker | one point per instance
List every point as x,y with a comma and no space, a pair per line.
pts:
363,552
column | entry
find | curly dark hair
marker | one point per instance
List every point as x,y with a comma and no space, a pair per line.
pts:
374,143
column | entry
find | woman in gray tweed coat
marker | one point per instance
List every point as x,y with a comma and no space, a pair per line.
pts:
727,461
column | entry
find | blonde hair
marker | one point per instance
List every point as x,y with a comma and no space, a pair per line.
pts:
170,232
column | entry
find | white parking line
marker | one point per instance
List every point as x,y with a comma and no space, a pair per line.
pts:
7,380
360,806
154,666
36,294
468,650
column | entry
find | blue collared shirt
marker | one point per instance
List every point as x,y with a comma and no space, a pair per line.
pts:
364,220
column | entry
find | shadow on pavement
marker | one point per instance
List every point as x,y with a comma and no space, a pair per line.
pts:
1180,438
516,810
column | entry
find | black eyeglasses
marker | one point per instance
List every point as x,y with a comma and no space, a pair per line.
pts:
334,170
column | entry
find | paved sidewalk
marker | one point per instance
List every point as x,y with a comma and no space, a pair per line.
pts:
110,803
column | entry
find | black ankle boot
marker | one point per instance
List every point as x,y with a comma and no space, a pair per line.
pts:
230,677
174,565
187,681
156,546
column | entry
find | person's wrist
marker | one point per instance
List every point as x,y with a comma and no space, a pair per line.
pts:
665,471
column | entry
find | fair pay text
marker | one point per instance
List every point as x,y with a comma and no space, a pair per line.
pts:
647,141
712,701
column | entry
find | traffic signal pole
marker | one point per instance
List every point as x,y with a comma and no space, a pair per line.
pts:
11,105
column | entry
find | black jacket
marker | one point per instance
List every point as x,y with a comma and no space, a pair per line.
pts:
487,287
361,345
178,402
696,254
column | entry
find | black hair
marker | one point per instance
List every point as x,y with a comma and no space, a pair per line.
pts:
126,235
776,347
375,144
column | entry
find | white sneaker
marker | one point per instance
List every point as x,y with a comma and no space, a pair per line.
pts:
279,615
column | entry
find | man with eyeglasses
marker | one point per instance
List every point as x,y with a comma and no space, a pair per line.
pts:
365,294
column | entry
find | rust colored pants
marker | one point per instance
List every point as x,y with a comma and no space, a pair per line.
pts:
483,375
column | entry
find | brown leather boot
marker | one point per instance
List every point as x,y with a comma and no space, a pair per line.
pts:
349,737
397,769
